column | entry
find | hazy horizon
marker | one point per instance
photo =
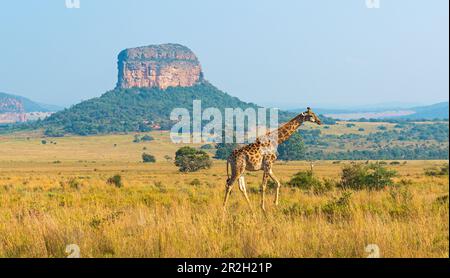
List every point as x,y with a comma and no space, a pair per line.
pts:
286,54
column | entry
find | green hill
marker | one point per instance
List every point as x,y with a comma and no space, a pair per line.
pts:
128,110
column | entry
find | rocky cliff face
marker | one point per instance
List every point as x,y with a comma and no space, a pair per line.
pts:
11,110
10,105
162,66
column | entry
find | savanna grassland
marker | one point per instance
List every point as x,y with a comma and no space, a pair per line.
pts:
57,193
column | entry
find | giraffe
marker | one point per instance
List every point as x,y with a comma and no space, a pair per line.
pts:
260,155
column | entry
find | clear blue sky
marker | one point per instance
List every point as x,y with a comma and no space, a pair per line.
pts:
326,53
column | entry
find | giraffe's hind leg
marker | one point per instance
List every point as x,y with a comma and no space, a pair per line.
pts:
243,189
275,179
263,191
237,168
228,188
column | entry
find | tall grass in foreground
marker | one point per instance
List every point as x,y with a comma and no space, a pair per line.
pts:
173,217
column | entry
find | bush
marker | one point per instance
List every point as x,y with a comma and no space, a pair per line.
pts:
168,158
195,182
338,207
190,160
433,171
306,180
395,163
74,183
44,142
148,158
115,180
372,176
147,138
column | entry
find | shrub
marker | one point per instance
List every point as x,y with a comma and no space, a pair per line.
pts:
306,180
148,158
74,183
115,180
442,200
44,142
195,182
338,207
147,138
395,163
361,129
190,160
400,200
168,157
433,171
372,176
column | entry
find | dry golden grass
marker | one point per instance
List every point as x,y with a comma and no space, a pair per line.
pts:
55,195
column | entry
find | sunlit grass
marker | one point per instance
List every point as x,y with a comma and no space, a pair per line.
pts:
55,195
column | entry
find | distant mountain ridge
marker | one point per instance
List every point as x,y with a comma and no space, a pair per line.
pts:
435,111
10,103
427,112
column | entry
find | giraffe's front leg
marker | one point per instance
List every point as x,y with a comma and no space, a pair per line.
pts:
275,179
263,190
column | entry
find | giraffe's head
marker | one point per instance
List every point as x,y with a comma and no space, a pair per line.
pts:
310,116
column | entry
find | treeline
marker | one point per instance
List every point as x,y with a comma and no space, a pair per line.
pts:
411,141
391,153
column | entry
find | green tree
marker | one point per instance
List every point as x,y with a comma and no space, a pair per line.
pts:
223,150
292,149
190,160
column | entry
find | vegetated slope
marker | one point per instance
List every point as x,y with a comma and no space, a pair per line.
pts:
135,109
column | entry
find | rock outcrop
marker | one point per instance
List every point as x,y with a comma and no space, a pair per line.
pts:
161,66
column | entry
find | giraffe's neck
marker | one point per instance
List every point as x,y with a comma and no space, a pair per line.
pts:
286,130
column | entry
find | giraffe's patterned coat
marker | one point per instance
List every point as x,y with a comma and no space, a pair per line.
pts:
261,155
